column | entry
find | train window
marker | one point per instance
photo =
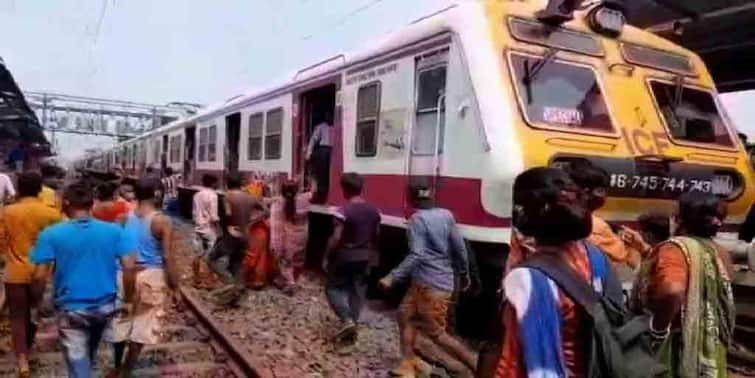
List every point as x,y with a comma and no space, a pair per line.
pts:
654,58
156,151
254,144
559,94
431,118
143,155
562,38
202,156
175,149
368,113
691,115
273,131
212,140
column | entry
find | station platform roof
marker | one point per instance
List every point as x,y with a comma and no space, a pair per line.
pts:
17,120
721,31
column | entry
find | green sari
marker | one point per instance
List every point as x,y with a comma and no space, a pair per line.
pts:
707,318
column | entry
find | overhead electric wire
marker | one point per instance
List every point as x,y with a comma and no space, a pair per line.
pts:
343,19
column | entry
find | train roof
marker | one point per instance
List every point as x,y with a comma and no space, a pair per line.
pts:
435,23
451,18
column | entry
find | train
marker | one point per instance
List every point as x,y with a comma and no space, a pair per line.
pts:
466,98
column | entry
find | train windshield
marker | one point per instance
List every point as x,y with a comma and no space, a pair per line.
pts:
691,115
560,95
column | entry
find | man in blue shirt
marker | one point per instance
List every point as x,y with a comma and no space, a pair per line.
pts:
85,253
437,253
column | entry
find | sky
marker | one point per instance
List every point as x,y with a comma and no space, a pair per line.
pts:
196,50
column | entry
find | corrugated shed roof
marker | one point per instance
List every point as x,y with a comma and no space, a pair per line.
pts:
721,31
17,120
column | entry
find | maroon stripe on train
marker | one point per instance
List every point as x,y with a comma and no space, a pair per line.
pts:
388,193
460,195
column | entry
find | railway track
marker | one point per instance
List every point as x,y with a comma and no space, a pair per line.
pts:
193,345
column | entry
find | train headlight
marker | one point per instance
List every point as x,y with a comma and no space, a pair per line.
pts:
607,19
728,185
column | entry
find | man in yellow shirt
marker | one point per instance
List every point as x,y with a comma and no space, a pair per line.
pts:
48,195
20,225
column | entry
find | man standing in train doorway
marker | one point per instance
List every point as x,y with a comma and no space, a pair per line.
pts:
318,155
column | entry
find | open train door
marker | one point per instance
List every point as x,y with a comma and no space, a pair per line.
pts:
428,125
189,150
317,105
232,139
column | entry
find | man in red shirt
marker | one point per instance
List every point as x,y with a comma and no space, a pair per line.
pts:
109,207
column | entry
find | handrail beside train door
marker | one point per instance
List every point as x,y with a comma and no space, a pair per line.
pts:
436,153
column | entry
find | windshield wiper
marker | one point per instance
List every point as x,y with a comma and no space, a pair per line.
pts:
531,72
678,91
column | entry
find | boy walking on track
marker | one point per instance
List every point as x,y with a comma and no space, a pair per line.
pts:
85,253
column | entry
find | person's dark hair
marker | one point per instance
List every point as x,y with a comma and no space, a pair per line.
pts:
327,117
421,196
29,184
144,189
548,207
48,171
106,191
234,181
209,180
168,171
700,214
352,184
78,196
654,227
288,191
150,170
587,175
743,137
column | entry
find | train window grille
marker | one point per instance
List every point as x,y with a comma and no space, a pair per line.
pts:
256,133
202,156
658,59
536,32
430,116
273,132
212,140
368,114
175,149
561,95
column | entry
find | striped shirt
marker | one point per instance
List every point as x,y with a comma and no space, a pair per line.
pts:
170,184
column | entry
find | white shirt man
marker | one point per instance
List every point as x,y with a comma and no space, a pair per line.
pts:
7,191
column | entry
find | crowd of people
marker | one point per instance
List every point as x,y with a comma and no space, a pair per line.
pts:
579,297
108,251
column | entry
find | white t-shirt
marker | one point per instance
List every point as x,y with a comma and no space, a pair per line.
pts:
6,188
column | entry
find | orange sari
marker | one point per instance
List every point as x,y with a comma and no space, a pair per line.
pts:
259,263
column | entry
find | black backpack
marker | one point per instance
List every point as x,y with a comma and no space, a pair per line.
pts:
619,342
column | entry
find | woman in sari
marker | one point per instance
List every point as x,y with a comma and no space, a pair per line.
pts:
685,284
259,264
289,233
